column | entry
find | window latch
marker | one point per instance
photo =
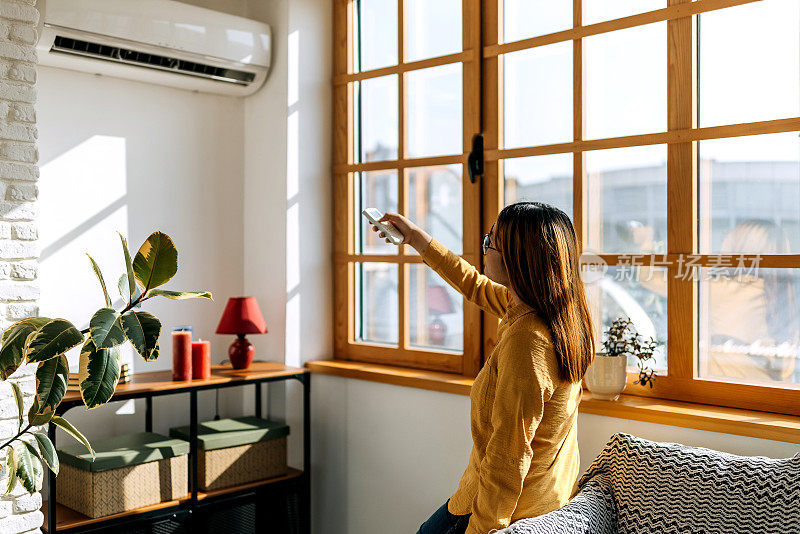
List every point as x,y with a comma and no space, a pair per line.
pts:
475,158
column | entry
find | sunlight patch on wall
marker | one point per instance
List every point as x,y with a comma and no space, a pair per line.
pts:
293,341
293,329
83,204
293,84
292,155
292,248
78,184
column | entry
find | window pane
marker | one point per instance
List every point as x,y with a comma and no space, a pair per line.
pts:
528,18
756,78
601,10
376,302
538,96
750,194
636,292
626,82
377,33
545,179
377,189
436,319
432,28
378,119
434,111
435,203
627,199
749,324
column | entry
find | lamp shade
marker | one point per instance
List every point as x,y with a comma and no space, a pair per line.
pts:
439,302
242,316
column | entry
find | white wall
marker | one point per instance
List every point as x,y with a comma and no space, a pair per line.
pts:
124,156
287,196
385,457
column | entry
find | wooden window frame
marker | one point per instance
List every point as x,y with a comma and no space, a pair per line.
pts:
344,172
681,381
485,114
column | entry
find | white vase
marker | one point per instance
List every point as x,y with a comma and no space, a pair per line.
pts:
607,376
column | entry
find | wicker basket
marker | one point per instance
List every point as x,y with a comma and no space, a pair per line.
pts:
237,451
129,472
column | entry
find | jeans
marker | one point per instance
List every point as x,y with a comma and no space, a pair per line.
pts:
443,522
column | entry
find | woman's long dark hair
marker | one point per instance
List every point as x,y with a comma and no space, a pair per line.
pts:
540,251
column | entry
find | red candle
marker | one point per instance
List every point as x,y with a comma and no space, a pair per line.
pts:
181,355
201,359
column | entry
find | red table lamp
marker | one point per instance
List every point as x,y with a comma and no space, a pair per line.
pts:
439,303
241,316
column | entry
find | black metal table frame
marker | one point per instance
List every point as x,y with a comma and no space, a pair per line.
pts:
188,508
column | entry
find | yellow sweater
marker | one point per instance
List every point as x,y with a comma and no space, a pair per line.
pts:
524,459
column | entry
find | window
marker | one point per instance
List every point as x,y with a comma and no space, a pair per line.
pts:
406,89
672,143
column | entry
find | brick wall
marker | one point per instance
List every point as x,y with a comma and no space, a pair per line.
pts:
19,512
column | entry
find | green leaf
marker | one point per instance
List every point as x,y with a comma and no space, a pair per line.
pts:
47,452
18,398
130,279
180,295
72,431
13,339
99,274
156,262
105,328
38,419
51,340
142,329
51,384
98,374
31,322
11,468
29,468
124,290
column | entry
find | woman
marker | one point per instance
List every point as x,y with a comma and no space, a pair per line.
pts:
524,401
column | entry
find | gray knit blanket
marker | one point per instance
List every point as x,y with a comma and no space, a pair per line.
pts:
638,486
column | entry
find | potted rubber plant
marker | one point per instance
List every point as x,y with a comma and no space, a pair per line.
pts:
607,376
45,342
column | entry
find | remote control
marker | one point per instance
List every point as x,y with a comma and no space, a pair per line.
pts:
392,234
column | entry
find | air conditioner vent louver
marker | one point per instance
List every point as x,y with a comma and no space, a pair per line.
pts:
67,45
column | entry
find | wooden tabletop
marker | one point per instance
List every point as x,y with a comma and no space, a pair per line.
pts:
161,381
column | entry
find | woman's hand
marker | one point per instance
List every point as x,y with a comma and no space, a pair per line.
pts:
412,234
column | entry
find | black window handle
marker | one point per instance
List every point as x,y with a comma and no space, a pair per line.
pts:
475,158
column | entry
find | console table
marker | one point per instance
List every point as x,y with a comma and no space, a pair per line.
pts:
190,508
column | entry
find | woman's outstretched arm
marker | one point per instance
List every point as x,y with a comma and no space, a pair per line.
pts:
465,278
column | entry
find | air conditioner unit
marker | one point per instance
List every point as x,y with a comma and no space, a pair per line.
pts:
156,41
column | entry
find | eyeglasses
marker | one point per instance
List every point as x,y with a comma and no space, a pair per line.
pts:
486,244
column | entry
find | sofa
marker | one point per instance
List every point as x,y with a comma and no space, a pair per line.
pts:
639,486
